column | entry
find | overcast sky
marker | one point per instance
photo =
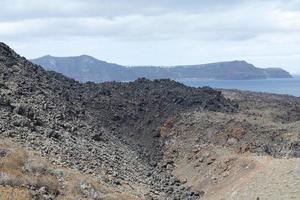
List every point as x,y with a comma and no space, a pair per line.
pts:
156,32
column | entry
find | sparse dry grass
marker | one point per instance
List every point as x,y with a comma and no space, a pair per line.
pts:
10,193
15,160
75,189
21,170
11,168
49,182
120,196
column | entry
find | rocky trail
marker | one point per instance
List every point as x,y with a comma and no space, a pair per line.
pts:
278,179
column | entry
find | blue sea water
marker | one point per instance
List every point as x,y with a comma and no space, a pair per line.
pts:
278,86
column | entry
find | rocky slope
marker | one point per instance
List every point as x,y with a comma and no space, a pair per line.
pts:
86,68
109,130
61,139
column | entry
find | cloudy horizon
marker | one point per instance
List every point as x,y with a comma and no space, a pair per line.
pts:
265,33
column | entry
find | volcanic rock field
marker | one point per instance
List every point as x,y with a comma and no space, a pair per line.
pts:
62,139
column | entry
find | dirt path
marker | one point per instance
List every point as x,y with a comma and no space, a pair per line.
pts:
275,179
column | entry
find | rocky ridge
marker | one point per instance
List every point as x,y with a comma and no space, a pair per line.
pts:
110,130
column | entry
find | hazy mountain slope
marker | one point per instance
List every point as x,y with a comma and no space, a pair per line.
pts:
235,70
86,68
276,73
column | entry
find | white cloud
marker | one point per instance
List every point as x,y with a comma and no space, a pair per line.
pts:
240,24
156,32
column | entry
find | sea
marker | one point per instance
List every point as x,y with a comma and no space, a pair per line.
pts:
290,86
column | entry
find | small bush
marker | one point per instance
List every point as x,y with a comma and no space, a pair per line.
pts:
10,180
36,167
87,189
50,183
81,187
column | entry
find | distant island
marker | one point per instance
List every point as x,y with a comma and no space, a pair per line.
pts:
86,68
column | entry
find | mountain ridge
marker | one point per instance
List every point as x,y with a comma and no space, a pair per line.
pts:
86,68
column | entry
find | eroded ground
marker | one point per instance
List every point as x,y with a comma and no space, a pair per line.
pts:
250,154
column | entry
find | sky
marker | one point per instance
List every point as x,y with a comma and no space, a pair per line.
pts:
265,33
